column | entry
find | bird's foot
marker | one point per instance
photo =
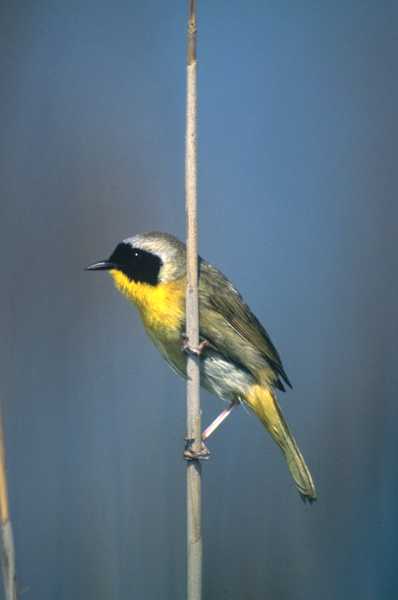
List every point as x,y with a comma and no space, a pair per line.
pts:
194,350
190,454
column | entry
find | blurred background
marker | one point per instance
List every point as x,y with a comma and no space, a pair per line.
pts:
298,206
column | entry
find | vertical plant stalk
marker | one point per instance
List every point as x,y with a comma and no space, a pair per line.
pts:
194,501
6,536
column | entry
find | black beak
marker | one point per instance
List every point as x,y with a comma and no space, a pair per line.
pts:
103,265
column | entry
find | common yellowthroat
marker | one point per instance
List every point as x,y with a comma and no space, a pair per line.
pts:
238,363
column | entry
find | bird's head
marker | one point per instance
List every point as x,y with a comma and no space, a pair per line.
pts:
148,258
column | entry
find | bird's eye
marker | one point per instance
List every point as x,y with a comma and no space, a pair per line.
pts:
136,253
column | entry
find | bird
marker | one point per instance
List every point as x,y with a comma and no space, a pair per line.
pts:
238,361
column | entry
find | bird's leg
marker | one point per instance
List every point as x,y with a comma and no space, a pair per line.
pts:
197,351
218,420
190,454
204,453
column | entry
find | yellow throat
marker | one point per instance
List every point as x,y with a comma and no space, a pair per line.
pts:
161,306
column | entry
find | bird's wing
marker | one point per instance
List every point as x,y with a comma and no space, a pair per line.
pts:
228,324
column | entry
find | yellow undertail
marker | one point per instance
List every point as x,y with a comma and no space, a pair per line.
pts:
263,403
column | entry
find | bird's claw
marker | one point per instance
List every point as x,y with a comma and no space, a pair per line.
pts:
190,454
194,350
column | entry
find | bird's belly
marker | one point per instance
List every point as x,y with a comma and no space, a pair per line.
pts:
217,374
223,377
170,346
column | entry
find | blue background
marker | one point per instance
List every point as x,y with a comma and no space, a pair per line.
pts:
298,206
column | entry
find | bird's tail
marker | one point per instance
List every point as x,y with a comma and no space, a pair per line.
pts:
263,403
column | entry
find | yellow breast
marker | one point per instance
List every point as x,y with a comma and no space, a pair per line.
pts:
162,306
